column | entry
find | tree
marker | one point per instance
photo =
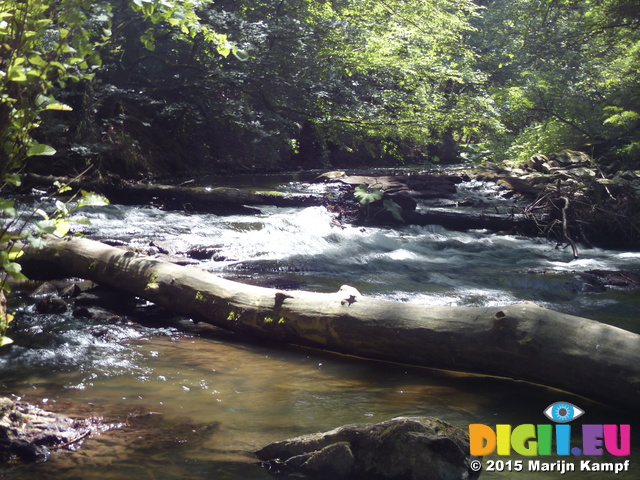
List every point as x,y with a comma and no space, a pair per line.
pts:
563,74
41,47
359,74
323,79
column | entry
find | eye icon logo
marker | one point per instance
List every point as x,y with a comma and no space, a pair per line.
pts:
563,412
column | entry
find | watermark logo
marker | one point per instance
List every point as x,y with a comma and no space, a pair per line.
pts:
531,440
563,412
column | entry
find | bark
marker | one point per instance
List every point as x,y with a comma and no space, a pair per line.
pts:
521,341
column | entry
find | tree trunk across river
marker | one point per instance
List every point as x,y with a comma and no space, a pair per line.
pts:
521,341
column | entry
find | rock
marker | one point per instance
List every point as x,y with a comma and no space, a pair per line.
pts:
333,461
613,278
51,304
27,433
570,158
517,185
202,252
331,176
108,298
536,162
98,315
45,288
71,291
408,448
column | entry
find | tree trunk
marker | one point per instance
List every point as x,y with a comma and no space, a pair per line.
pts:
521,341
217,200
460,221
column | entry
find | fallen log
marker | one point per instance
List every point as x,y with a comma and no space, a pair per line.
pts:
521,341
217,200
459,220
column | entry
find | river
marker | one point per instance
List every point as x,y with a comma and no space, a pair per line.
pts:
195,403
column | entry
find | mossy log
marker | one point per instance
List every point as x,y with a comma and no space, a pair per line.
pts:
521,341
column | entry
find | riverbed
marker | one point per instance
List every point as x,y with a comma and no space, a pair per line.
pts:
187,403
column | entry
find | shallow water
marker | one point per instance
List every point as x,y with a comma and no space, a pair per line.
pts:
196,405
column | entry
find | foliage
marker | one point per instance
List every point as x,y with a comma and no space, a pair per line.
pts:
41,47
563,74
366,195
367,76
320,82
31,227
47,47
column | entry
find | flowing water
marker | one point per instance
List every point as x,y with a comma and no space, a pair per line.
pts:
188,403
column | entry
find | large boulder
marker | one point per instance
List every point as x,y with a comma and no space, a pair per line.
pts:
407,448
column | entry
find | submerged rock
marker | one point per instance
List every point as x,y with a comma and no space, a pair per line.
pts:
407,448
28,433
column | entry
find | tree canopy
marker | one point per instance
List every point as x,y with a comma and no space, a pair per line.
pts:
171,85
564,74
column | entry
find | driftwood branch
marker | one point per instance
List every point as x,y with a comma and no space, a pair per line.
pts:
565,228
522,341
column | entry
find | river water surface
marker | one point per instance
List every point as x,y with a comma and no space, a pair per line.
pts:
188,403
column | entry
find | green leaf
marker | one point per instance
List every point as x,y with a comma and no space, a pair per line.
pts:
92,199
61,208
5,341
241,55
224,49
36,242
40,149
15,254
365,195
627,117
61,188
14,270
13,179
58,106
394,208
46,226
7,237
7,208
62,228
37,60
59,65
16,74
